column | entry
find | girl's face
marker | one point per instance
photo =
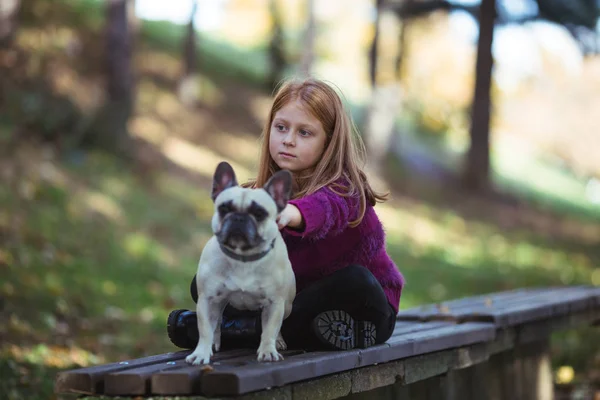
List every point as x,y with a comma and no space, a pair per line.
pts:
297,139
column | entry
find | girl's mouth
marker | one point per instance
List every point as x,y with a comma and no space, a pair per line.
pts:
287,155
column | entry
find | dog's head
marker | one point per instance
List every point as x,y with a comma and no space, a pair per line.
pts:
245,219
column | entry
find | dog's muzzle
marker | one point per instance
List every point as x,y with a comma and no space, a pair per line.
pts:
239,231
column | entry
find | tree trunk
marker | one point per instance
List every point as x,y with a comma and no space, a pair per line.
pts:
111,130
9,11
401,49
189,46
309,41
385,105
133,20
276,52
477,169
189,85
373,49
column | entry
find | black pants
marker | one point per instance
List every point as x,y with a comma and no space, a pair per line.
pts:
353,289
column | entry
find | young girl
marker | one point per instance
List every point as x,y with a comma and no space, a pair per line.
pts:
348,288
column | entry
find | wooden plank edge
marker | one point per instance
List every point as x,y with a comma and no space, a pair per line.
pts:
383,374
137,381
90,380
255,377
251,378
457,310
187,380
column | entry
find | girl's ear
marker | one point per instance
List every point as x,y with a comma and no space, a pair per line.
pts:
224,178
279,187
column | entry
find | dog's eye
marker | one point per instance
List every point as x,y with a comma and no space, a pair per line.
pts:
225,209
259,214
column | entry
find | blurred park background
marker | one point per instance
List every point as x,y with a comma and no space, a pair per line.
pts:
481,117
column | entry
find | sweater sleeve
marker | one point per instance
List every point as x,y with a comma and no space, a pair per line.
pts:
324,213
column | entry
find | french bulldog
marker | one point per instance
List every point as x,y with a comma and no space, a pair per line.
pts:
245,263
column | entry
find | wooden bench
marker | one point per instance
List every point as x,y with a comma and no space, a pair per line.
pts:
493,346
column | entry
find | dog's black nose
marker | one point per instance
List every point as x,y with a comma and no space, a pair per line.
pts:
238,218
239,231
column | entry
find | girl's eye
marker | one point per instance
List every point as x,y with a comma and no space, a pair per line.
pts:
304,133
280,127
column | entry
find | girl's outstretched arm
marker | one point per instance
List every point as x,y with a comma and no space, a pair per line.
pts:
324,213
290,217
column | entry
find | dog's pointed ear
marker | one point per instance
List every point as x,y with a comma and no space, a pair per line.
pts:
279,188
224,178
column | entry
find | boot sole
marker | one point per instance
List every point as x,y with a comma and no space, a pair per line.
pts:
337,329
179,339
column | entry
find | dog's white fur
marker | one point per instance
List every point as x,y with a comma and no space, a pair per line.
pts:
266,284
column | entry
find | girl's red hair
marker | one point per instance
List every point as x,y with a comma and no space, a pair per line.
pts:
344,156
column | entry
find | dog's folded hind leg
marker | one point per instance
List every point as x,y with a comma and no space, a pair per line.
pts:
217,338
280,343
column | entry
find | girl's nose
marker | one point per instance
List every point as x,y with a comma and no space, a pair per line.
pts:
288,139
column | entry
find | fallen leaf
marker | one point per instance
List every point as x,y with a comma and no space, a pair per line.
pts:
444,309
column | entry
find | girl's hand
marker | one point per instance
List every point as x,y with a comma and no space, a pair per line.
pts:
290,216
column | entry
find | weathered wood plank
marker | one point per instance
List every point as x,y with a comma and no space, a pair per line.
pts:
459,381
227,380
439,339
510,308
538,309
533,331
404,327
395,379
537,370
376,376
415,329
90,380
453,311
494,325
186,379
425,312
327,388
136,381
422,367
231,380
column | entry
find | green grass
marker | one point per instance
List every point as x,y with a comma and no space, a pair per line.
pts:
517,170
216,58
103,242
96,266
527,175
25,380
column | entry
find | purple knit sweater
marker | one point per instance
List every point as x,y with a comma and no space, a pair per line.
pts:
328,244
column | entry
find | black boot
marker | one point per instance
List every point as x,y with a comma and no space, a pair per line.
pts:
182,328
337,330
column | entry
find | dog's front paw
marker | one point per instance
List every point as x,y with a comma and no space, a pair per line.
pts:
201,355
280,343
268,353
